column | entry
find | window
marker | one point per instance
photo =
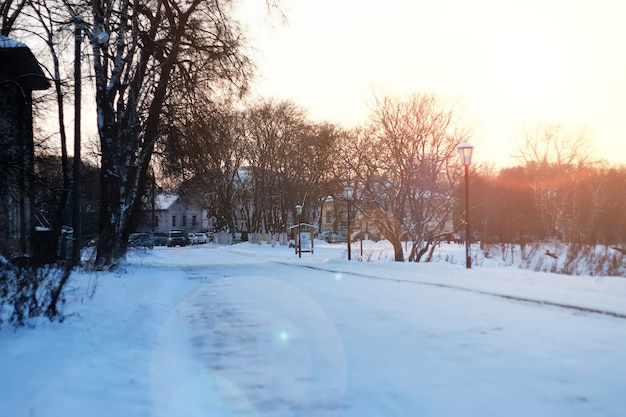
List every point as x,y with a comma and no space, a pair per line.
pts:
155,221
173,221
193,220
184,221
329,216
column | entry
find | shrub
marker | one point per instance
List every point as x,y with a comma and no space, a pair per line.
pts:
27,292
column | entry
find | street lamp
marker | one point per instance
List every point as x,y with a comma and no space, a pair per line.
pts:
100,39
299,212
465,152
348,192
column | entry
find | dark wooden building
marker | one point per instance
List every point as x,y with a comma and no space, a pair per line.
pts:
20,75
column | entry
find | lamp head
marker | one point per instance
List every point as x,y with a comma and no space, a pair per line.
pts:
348,193
100,39
465,152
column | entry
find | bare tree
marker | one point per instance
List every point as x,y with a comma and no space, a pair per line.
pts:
273,132
49,20
205,153
159,54
555,158
406,165
291,161
10,11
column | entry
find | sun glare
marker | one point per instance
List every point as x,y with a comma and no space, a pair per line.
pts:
509,64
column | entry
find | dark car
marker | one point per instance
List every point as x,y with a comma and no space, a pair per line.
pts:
177,238
140,240
160,238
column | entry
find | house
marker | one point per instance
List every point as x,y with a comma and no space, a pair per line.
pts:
170,211
20,75
334,217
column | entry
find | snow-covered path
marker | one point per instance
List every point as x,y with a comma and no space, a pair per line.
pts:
255,331
283,340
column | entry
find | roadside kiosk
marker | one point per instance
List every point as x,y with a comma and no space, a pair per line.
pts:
304,238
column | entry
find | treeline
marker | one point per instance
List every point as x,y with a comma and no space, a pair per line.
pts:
583,204
168,88
257,164
254,164
147,67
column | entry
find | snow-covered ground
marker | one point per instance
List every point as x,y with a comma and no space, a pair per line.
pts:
253,330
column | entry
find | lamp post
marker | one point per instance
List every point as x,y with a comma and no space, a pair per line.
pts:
465,152
299,247
76,226
100,39
348,192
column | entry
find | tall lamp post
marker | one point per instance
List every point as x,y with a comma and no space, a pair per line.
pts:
76,226
465,152
299,212
100,39
348,193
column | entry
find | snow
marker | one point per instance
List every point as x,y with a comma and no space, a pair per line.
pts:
163,201
253,330
6,43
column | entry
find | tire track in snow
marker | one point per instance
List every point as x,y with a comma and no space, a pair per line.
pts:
472,290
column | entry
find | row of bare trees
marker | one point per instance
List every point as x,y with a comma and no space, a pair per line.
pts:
260,161
162,61
557,194
165,81
167,86
405,169
403,165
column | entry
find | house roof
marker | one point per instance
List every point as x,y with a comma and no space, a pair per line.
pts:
21,64
164,201
6,43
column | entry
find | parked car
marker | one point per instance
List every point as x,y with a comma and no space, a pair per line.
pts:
177,238
363,235
140,240
340,237
199,238
332,237
325,234
159,238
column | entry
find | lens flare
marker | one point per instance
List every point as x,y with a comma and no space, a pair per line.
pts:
283,336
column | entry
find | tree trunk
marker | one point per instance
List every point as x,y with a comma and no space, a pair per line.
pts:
397,248
110,248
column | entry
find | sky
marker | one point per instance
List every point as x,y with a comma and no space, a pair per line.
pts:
509,65
252,330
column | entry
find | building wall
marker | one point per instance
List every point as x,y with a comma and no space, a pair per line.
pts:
179,215
16,163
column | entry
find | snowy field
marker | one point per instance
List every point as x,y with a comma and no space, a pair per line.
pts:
253,330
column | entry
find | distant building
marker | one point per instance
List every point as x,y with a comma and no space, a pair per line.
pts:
20,75
173,212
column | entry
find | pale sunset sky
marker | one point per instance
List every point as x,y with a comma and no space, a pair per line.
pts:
508,64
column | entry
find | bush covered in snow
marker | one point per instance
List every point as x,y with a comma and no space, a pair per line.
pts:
559,258
27,292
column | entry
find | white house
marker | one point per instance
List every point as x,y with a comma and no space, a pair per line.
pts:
172,212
